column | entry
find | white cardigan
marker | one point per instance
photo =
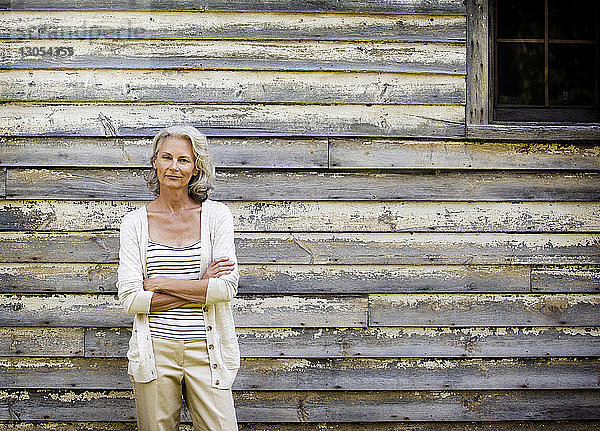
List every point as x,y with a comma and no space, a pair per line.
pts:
216,237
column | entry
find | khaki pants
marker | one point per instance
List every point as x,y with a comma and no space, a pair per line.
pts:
183,370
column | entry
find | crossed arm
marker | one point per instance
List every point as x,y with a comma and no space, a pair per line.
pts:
171,292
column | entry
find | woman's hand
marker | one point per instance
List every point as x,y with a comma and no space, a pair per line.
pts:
220,266
157,284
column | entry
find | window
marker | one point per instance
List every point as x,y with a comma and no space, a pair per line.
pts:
546,60
533,69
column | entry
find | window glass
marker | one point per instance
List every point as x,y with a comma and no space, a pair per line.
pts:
546,58
521,19
572,74
572,19
521,74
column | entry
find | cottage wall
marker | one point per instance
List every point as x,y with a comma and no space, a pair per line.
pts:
395,274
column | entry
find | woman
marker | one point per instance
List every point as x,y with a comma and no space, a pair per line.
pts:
178,273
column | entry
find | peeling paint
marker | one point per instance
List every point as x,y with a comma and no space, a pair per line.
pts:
410,331
281,333
62,302
14,395
71,397
437,364
24,363
290,303
586,331
439,301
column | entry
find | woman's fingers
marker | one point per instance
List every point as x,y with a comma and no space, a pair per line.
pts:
222,263
225,266
220,259
219,267
223,271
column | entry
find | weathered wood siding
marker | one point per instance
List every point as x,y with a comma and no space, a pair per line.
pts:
395,274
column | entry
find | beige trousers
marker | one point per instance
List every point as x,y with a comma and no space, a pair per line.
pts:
183,371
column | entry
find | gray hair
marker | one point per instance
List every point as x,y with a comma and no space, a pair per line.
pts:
201,184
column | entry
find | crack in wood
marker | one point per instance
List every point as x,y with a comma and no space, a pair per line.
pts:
11,413
304,247
425,117
302,412
109,128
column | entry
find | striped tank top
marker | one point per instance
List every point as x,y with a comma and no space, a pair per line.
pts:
182,323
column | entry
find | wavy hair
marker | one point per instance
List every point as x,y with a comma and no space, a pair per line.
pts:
201,184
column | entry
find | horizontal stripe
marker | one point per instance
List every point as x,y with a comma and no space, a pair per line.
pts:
183,323
156,245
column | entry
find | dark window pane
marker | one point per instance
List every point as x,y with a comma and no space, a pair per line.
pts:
520,19
521,73
573,74
572,19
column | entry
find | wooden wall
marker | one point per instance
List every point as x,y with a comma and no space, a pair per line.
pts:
395,276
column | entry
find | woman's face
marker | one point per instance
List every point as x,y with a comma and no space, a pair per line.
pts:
174,162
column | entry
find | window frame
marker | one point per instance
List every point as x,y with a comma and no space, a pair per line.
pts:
479,104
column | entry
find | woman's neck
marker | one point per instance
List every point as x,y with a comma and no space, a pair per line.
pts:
173,200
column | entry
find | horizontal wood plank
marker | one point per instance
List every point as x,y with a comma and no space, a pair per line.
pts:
566,279
427,406
385,279
394,154
231,86
95,248
58,278
298,406
76,426
305,153
422,248
249,311
296,279
421,426
373,426
276,152
382,56
94,24
64,373
140,119
543,132
365,6
420,310
324,216
358,374
325,248
484,310
475,342
274,185
17,341
74,151
361,216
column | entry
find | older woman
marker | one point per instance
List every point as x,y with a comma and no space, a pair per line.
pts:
177,274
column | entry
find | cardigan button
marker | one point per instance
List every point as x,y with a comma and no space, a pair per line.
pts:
206,309
211,346
215,366
209,328
217,383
